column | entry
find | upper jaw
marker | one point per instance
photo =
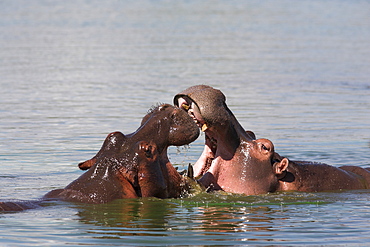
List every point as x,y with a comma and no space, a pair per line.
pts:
192,109
188,106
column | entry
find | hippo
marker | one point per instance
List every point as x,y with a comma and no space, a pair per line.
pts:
308,176
233,160
130,166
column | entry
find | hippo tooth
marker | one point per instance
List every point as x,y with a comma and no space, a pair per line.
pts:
185,106
204,127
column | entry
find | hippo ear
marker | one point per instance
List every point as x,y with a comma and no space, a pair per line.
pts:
251,134
87,164
149,149
280,167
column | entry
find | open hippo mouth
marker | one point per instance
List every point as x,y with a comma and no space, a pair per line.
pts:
211,141
209,153
207,107
194,112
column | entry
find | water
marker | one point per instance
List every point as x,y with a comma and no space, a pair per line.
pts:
71,72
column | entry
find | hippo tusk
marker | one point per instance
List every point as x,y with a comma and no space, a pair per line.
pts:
185,106
204,127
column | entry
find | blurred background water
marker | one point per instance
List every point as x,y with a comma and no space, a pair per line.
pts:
295,72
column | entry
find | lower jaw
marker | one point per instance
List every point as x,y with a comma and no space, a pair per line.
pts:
208,165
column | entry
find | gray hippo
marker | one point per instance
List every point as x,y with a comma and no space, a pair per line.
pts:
130,166
233,160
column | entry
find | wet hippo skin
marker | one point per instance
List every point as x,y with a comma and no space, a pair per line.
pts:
235,161
314,177
133,165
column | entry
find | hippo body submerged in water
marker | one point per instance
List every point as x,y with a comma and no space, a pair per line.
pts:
235,161
314,177
130,166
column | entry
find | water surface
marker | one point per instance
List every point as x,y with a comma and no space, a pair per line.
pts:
296,73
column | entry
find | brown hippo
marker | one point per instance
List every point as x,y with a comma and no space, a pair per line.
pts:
133,165
314,177
235,161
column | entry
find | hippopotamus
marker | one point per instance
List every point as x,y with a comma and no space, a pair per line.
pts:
314,177
133,165
233,160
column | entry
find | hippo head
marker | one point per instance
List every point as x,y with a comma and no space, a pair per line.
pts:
135,165
165,125
223,133
259,168
205,104
232,160
173,125
255,169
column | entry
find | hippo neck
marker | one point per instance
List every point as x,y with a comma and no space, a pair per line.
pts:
174,181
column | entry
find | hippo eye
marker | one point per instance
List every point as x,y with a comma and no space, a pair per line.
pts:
265,148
